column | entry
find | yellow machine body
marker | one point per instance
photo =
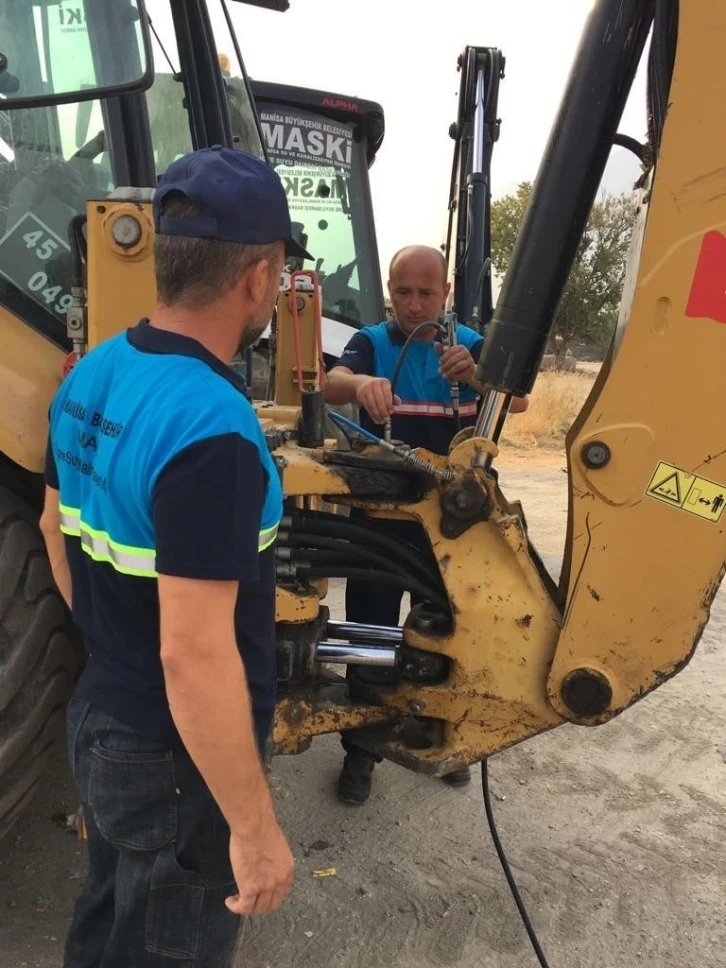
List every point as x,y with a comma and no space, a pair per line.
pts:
646,533
290,318
30,372
647,475
646,541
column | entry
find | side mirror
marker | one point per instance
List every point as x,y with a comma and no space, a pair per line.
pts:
53,54
279,5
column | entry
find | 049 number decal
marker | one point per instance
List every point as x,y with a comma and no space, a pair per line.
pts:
27,253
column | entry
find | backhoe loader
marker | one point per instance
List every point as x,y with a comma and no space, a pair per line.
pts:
54,155
496,651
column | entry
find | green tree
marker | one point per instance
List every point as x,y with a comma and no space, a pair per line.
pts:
588,310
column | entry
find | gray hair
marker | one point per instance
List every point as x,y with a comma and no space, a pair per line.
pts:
194,272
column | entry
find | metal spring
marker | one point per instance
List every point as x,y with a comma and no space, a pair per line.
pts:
419,464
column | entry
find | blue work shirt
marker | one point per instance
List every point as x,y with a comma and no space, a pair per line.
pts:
424,417
162,468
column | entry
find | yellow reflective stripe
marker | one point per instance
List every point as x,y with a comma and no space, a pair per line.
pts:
70,520
102,549
267,537
64,509
100,546
128,559
116,545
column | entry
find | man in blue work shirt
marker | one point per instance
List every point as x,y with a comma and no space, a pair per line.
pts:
421,415
162,504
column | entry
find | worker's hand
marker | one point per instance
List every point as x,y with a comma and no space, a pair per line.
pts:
456,363
263,868
374,395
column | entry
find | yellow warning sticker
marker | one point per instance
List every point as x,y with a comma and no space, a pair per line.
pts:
697,495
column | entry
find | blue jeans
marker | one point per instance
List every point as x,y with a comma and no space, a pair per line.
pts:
158,854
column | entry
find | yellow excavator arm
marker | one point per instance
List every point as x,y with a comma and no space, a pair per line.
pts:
647,456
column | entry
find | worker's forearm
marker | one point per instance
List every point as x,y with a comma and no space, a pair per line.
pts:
56,547
343,387
210,704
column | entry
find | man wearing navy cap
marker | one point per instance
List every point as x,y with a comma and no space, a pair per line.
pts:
162,505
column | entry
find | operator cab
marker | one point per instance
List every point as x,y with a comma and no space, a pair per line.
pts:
53,159
322,146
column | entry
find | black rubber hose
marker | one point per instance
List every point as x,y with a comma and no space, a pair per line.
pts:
78,250
318,558
379,578
301,540
411,337
307,557
506,868
326,523
630,144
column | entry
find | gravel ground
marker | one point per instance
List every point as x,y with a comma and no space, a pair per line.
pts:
614,834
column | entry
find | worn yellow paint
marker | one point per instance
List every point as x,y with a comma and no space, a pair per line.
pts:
503,640
638,578
287,392
306,475
291,607
30,373
121,287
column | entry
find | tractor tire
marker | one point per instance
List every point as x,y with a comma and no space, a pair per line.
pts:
39,659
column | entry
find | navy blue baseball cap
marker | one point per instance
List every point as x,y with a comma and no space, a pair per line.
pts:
241,199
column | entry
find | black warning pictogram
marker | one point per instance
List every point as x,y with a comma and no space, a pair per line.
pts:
669,488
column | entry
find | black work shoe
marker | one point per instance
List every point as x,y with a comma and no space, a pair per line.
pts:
354,782
458,778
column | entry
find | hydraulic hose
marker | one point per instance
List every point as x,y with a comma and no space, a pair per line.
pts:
78,250
346,548
324,523
307,558
411,337
379,578
410,458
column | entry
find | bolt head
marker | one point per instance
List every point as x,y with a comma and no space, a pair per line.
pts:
416,708
596,454
586,692
126,231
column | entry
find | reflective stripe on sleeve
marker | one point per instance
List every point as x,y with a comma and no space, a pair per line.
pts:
126,559
100,546
70,520
267,537
140,562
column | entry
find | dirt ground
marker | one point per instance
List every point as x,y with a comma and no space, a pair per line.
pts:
616,836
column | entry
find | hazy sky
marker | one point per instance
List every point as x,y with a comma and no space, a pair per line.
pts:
392,52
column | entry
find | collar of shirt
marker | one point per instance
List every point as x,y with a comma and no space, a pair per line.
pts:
398,337
150,339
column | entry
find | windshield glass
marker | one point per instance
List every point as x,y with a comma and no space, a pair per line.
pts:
165,99
323,169
52,160
47,48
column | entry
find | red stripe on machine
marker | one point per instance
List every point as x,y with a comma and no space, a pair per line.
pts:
708,289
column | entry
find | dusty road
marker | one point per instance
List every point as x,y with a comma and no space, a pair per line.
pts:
616,835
